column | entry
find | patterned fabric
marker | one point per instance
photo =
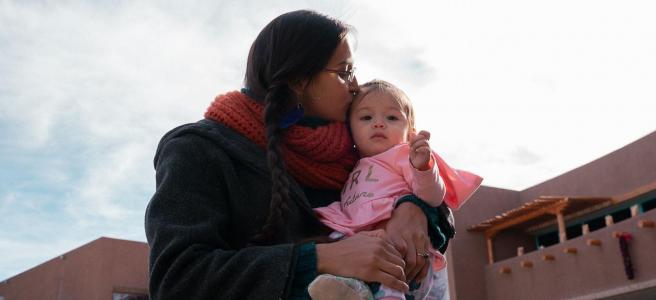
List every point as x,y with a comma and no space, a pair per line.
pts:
320,157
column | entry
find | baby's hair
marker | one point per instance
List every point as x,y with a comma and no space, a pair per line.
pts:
399,96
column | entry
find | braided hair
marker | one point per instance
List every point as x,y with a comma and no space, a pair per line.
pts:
293,47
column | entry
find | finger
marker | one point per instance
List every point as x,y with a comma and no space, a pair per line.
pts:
424,271
420,144
401,246
423,149
393,269
391,281
411,260
425,134
417,138
421,249
392,255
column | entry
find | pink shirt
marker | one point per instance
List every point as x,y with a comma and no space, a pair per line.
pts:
377,182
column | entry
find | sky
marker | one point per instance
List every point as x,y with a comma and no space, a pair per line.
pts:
515,91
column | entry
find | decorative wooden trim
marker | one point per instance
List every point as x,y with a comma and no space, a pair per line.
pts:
570,250
634,210
520,251
593,242
505,270
548,257
526,264
617,234
646,224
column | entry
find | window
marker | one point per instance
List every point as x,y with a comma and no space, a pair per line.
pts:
649,205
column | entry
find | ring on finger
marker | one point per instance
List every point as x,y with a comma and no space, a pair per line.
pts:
424,255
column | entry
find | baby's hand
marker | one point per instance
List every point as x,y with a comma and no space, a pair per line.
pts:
420,151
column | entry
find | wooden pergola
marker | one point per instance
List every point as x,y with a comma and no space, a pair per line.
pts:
537,213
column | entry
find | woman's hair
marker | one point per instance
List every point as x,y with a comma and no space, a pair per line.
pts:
381,86
292,48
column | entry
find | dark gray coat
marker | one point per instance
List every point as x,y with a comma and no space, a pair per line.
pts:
212,196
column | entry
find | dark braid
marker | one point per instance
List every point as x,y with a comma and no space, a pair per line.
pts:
292,48
275,105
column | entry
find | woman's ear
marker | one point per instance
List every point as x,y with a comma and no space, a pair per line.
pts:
298,87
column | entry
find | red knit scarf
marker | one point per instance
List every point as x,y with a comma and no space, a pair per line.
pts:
319,157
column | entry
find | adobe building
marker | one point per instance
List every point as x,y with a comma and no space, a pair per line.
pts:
561,239
103,269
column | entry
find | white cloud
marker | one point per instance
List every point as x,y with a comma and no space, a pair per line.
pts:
516,91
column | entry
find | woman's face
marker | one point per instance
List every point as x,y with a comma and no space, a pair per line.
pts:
329,94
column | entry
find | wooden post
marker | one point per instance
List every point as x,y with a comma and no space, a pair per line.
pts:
609,220
490,249
520,251
562,232
634,210
585,229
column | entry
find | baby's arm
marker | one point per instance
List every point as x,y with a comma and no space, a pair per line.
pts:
425,180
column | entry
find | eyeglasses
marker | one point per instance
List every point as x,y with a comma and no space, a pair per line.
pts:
347,76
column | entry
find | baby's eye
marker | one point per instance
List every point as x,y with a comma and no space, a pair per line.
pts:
365,118
392,118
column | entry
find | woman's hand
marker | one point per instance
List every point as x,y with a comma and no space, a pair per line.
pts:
366,256
408,231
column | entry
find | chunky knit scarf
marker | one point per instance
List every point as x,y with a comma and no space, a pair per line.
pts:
319,157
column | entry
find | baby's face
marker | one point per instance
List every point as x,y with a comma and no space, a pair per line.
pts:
377,123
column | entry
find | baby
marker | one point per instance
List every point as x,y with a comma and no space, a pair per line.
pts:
395,162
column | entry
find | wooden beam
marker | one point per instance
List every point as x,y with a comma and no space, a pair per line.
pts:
550,209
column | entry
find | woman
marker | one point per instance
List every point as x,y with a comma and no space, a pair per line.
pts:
232,216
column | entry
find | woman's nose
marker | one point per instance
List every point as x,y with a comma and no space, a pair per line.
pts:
354,88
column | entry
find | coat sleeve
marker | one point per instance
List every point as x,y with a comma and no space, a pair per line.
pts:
187,225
